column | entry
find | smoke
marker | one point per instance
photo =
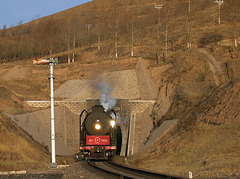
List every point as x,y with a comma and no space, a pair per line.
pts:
106,100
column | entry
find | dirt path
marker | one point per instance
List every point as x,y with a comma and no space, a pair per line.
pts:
215,67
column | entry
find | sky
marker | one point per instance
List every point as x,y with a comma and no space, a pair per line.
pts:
14,11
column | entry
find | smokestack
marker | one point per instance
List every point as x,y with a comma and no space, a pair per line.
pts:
106,100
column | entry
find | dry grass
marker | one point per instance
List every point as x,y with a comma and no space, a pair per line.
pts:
18,151
207,151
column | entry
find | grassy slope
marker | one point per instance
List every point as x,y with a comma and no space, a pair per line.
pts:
206,141
207,151
18,150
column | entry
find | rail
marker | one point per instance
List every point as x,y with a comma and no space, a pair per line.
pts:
128,172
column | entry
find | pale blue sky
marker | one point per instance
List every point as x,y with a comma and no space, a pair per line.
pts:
12,11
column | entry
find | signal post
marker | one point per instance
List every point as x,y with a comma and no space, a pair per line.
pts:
53,164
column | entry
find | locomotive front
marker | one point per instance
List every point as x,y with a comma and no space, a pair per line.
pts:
97,134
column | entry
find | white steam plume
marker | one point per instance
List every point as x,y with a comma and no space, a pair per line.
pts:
106,100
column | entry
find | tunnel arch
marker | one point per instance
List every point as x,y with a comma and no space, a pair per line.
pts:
119,139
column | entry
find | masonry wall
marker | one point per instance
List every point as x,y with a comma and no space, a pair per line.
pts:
37,124
140,124
67,113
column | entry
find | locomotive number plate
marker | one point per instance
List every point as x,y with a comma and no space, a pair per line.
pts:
97,140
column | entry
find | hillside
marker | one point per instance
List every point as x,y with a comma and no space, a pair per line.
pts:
18,150
121,28
205,142
197,86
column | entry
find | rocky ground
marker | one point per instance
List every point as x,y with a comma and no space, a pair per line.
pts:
77,170
83,170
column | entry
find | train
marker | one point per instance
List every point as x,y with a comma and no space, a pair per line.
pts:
98,134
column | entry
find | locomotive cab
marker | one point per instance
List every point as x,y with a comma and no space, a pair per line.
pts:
97,134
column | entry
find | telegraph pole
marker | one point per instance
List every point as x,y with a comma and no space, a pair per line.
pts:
219,2
158,7
53,164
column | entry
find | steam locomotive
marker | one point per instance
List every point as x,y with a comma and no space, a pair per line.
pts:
98,138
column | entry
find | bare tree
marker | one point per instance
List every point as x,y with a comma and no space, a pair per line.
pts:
20,22
37,16
189,44
74,45
114,19
231,13
46,35
99,41
131,26
74,30
4,30
167,11
158,7
66,36
101,22
69,35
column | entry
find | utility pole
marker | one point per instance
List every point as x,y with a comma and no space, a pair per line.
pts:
219,2
189,45
53,164
158,7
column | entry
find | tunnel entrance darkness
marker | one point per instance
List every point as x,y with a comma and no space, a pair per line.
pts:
119,140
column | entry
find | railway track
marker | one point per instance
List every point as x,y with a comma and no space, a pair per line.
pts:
127,172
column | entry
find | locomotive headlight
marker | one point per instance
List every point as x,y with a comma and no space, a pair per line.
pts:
97,126
112,123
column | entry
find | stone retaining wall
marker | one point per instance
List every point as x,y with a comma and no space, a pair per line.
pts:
37,124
